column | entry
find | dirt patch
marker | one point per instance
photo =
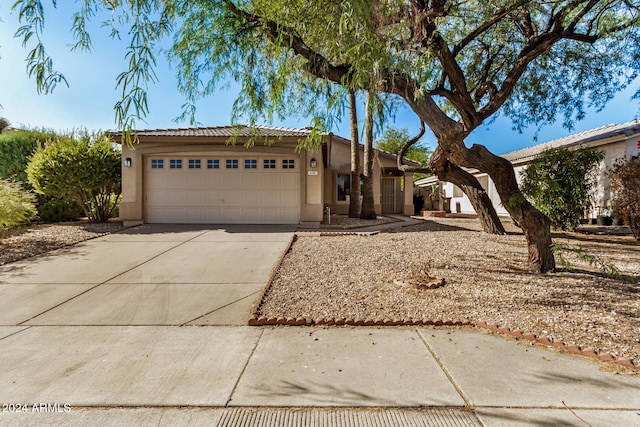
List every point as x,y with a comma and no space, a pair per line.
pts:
41,238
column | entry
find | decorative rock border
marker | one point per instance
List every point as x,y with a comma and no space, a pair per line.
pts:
549,342
257,320
335,233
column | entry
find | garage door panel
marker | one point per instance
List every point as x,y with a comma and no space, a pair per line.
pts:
289,181
158,198
232,181
176,214
213,197
270,215
213,214
289,216
214,181
250,179
196,198
178,198
221,195
289,198
232,215
251,215
232,198
269,181
195,179
251,198
270,199
156,214
173,181
195,215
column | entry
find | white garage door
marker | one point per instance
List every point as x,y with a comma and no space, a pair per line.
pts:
222,190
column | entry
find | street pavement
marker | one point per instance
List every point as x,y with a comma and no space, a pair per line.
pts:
148,327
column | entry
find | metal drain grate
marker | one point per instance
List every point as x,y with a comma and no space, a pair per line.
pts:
278,417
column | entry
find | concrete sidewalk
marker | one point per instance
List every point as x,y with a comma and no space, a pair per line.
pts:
146,327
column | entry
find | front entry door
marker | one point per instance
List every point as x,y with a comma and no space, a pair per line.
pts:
388,198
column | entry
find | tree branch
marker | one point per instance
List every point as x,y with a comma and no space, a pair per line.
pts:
405,148
478,31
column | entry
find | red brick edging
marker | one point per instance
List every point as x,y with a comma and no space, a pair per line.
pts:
256,320
571,348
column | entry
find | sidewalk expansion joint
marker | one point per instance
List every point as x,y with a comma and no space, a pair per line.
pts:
444,369
244,368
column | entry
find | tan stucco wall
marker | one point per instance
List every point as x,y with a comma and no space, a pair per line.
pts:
132,205
340,163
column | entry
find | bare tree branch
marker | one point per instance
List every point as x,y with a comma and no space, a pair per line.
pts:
405,148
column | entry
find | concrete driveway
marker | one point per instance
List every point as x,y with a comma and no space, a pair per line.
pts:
148,275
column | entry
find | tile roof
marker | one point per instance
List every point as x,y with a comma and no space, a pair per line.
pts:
525,154
226,131
244,130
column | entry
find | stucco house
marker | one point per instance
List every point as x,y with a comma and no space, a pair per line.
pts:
195,176
616,141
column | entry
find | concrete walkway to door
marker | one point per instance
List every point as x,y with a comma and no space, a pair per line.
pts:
146,327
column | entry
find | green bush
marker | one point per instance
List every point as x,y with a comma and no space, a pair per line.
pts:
559,183
15,148
625,186
52,209
86,169
17,207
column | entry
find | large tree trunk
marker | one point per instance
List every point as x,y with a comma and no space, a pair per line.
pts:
439,165
477,195
368,207
354,201
535,225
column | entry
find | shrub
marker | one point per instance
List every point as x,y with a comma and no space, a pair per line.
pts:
86,169
15,149
559,183
625,186
17,206
54,209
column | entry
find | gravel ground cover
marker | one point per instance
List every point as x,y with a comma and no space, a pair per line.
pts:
40,238
486,280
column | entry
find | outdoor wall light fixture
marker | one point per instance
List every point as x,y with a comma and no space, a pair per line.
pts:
313,163
127,162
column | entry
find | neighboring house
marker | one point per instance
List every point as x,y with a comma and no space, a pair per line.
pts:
195,176
616,141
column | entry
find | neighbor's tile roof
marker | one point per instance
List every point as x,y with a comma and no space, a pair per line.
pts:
525,154
226,131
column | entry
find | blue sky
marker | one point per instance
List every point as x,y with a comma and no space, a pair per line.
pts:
88,101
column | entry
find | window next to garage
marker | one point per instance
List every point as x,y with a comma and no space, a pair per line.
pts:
157,163
269,164
288,164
